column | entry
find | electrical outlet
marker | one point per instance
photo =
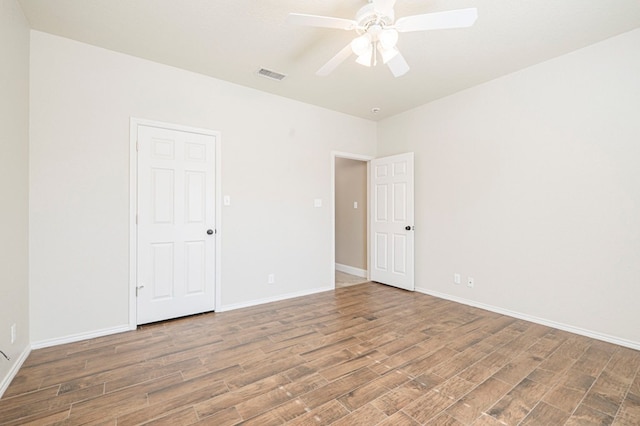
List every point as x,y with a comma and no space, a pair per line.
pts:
470,282
456,278
13,333
271,278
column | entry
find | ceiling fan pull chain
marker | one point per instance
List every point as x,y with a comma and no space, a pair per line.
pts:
375,53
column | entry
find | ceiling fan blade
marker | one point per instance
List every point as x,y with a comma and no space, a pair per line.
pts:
333,63
398,65
436,21
384,7
321,21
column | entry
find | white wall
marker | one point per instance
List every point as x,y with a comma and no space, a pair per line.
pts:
531,184
14,186
276,159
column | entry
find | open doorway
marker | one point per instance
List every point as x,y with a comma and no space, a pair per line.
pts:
350,204
389,236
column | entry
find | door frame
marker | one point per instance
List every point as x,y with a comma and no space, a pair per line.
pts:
367,159
133,207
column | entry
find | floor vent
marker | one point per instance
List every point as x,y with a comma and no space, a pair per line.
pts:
271,74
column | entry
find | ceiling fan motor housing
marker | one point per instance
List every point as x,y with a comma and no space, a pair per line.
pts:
368,17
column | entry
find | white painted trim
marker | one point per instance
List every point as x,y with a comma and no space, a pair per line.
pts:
79,337
351,156
576,330
332,197
6,381
368,231
173,126
218,199
275,298
133,209
351,270
133,199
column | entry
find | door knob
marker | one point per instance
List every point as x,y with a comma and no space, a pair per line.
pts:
408,228
209,231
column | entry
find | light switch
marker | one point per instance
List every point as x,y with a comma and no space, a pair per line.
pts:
355,204
317,202
227,200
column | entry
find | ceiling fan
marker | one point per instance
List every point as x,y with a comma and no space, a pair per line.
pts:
378,31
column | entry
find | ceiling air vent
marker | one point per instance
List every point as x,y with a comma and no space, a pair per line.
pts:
271,74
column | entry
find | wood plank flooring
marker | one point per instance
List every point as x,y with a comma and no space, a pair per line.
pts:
362,355
345,280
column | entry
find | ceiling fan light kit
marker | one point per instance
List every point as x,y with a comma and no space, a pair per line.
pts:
378,33
360,45
388,39
366,57
388,54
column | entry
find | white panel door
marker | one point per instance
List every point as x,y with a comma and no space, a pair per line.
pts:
176,219
391,223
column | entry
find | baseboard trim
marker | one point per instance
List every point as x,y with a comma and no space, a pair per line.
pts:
572,329
278,298
351,270
6,381
79,337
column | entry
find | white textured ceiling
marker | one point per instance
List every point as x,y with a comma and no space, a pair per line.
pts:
232,39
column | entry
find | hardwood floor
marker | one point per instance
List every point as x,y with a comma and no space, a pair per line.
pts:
345,280
362,355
